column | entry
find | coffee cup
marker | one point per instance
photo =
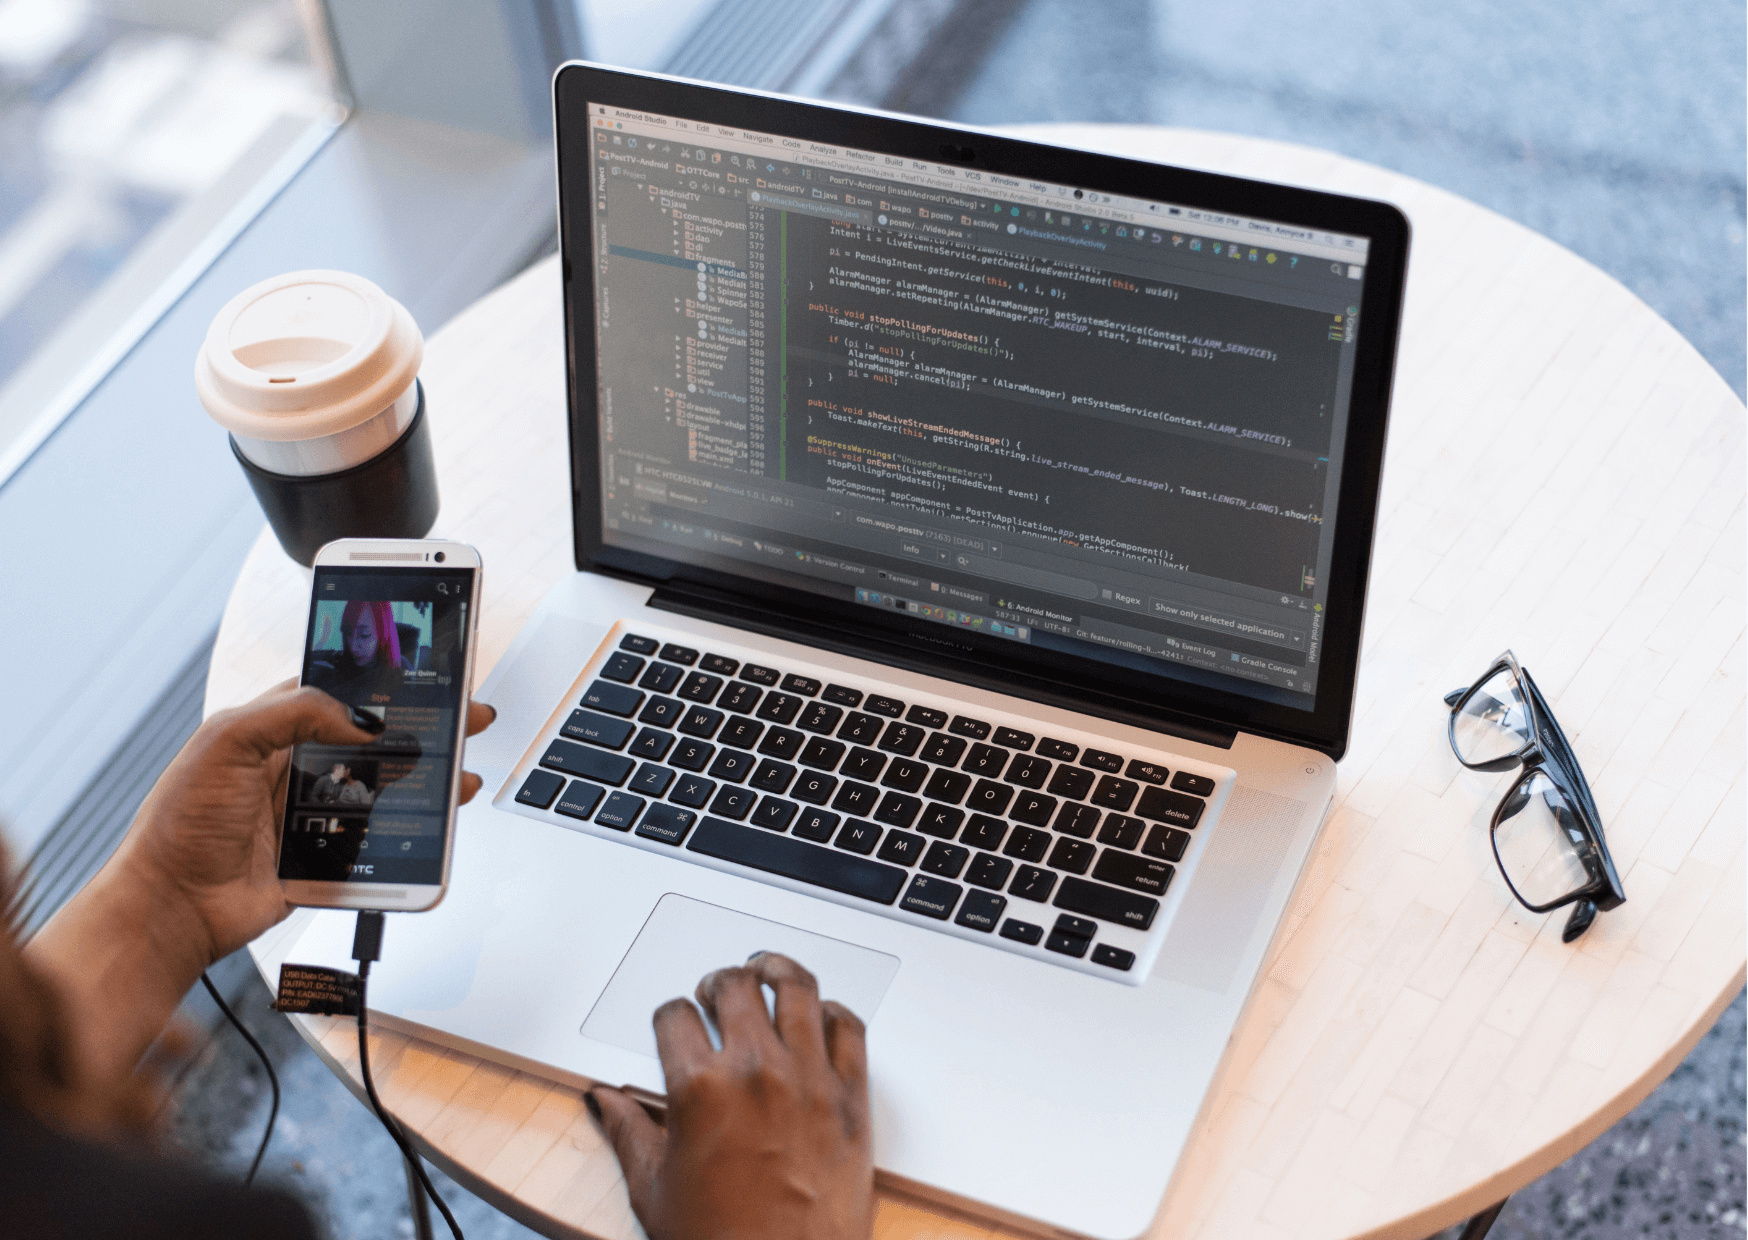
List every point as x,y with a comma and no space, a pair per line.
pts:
315,374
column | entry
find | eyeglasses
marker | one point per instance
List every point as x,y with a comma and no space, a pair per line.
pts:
1547,835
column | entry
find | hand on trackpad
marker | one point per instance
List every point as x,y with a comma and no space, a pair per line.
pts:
684,939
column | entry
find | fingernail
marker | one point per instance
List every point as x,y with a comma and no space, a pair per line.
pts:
367,721
756,955
594,1106
494,711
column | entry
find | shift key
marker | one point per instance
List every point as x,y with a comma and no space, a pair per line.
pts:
1125,908
587,763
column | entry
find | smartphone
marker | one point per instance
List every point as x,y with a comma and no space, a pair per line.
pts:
391,634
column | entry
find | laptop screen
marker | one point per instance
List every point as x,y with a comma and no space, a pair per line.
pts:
1101,426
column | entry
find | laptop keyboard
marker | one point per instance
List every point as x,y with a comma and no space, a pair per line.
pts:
1029,841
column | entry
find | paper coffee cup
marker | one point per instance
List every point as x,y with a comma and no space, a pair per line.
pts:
315,376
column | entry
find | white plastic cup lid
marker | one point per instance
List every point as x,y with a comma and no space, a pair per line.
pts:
306,355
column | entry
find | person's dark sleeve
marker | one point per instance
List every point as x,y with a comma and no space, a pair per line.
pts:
53,1187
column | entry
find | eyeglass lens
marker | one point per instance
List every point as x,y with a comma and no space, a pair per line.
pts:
1494,722
1539,843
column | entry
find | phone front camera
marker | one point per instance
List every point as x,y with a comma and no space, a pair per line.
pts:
438,557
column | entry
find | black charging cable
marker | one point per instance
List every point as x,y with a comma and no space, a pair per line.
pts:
367,947
272,1077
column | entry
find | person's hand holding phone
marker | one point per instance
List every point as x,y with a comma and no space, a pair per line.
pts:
768,1137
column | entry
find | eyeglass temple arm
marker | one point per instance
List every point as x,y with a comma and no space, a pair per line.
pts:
1455,696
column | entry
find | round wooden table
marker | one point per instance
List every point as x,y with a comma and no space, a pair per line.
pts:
1565,478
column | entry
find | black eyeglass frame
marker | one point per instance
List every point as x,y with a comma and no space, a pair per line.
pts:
1549,752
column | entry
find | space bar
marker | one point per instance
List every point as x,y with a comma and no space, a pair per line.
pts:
785,855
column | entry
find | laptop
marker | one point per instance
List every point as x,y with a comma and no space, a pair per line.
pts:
971,541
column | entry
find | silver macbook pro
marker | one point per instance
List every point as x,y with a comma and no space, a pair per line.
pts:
971,545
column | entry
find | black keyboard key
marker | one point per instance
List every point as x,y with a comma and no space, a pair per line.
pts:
943,750
984,832
1166,843
1176,808
864,764
898,809
579,800
906,774
692,755
693,791
1022,931
662,712
902,738
1079,927
719,665
839,695
742,733
789,857
666,824
1125,908
981,910
1146,772
816,825
820,717
926,716
806,686
741,698
652,780
855,798
539,789
1067,944
1033,809
1121,832
779,707
948,786
733,765
815,787
1077,820
614,699
931,897
1027,844
587,762
945,859
990,871
892,708
604,730
733,802
1011,739
986,761
976,729
662,677
989,797
821,754
1031,883
701,688
1199,785
1117,794
1073,855
1099,760
1028,772
941,821
683,655
759,675
901,848
639,645
1073,782
620,811
622,667
1113,957
773,814
652,743
860,729
858,836
1125,869
773,776
700,721
1058,751
784,743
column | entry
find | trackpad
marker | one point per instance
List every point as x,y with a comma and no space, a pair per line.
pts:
684,939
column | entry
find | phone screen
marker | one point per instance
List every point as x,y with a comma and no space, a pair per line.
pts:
392,642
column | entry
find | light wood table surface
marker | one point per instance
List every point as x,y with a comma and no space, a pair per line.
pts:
1565,477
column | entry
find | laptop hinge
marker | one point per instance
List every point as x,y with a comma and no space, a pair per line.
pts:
879,647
